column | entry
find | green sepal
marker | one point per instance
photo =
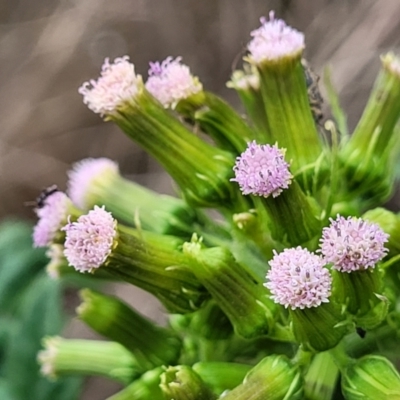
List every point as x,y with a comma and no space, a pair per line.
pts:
201,171
289,117
362,294
273,378
371,377
221,376
155,263
219,120
151,345
87,357
147,387
182,383
319,328
239,294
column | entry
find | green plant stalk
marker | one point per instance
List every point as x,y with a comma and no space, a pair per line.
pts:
151,345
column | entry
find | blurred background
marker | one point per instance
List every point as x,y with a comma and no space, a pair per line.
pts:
49,47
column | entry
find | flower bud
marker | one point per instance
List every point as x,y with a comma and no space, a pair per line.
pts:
238,293
150,261
221,376
276,51
144,388
273,378
151,345
299,281
262,171
390,224
182,383
371,377
98,182
87,357
201,171
368,155
354,247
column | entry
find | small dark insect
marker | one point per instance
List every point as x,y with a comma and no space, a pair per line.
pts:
44,195
361,332
314,96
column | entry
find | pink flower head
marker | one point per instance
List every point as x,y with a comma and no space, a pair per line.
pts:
116,85
84,173
298,279
90,240
274,40
171,81
261,170
52,214
353,244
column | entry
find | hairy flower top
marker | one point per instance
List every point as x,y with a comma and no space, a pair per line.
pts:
116,85
298,279
171,81
274,40
48,355
353,244
52,214
84,173
90,240
245,80
392,62
261,170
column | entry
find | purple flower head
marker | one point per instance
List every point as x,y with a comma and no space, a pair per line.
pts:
261,170
274,40
52,215
84,173
298,279
90,240
116,85
171,81
353,244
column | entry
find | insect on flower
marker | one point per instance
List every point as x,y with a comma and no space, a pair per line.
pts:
314,96
39,202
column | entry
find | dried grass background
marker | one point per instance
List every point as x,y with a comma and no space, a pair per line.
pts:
49,47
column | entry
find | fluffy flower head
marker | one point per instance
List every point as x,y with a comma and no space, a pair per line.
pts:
116,85
353,244
298,279
86,173
52,214
90,240
274,40
171,81
261,170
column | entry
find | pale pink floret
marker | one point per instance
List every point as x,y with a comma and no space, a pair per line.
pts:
274,40
83,174
52,216
90,240
298,279
116,85
353,244
261,170
171,81
395,66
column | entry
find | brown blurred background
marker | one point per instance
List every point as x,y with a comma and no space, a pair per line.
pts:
49,47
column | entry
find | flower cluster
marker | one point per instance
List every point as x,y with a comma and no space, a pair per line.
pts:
118,83
274,40
90,240
352,244
298,279
171,81
296,257
261,170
